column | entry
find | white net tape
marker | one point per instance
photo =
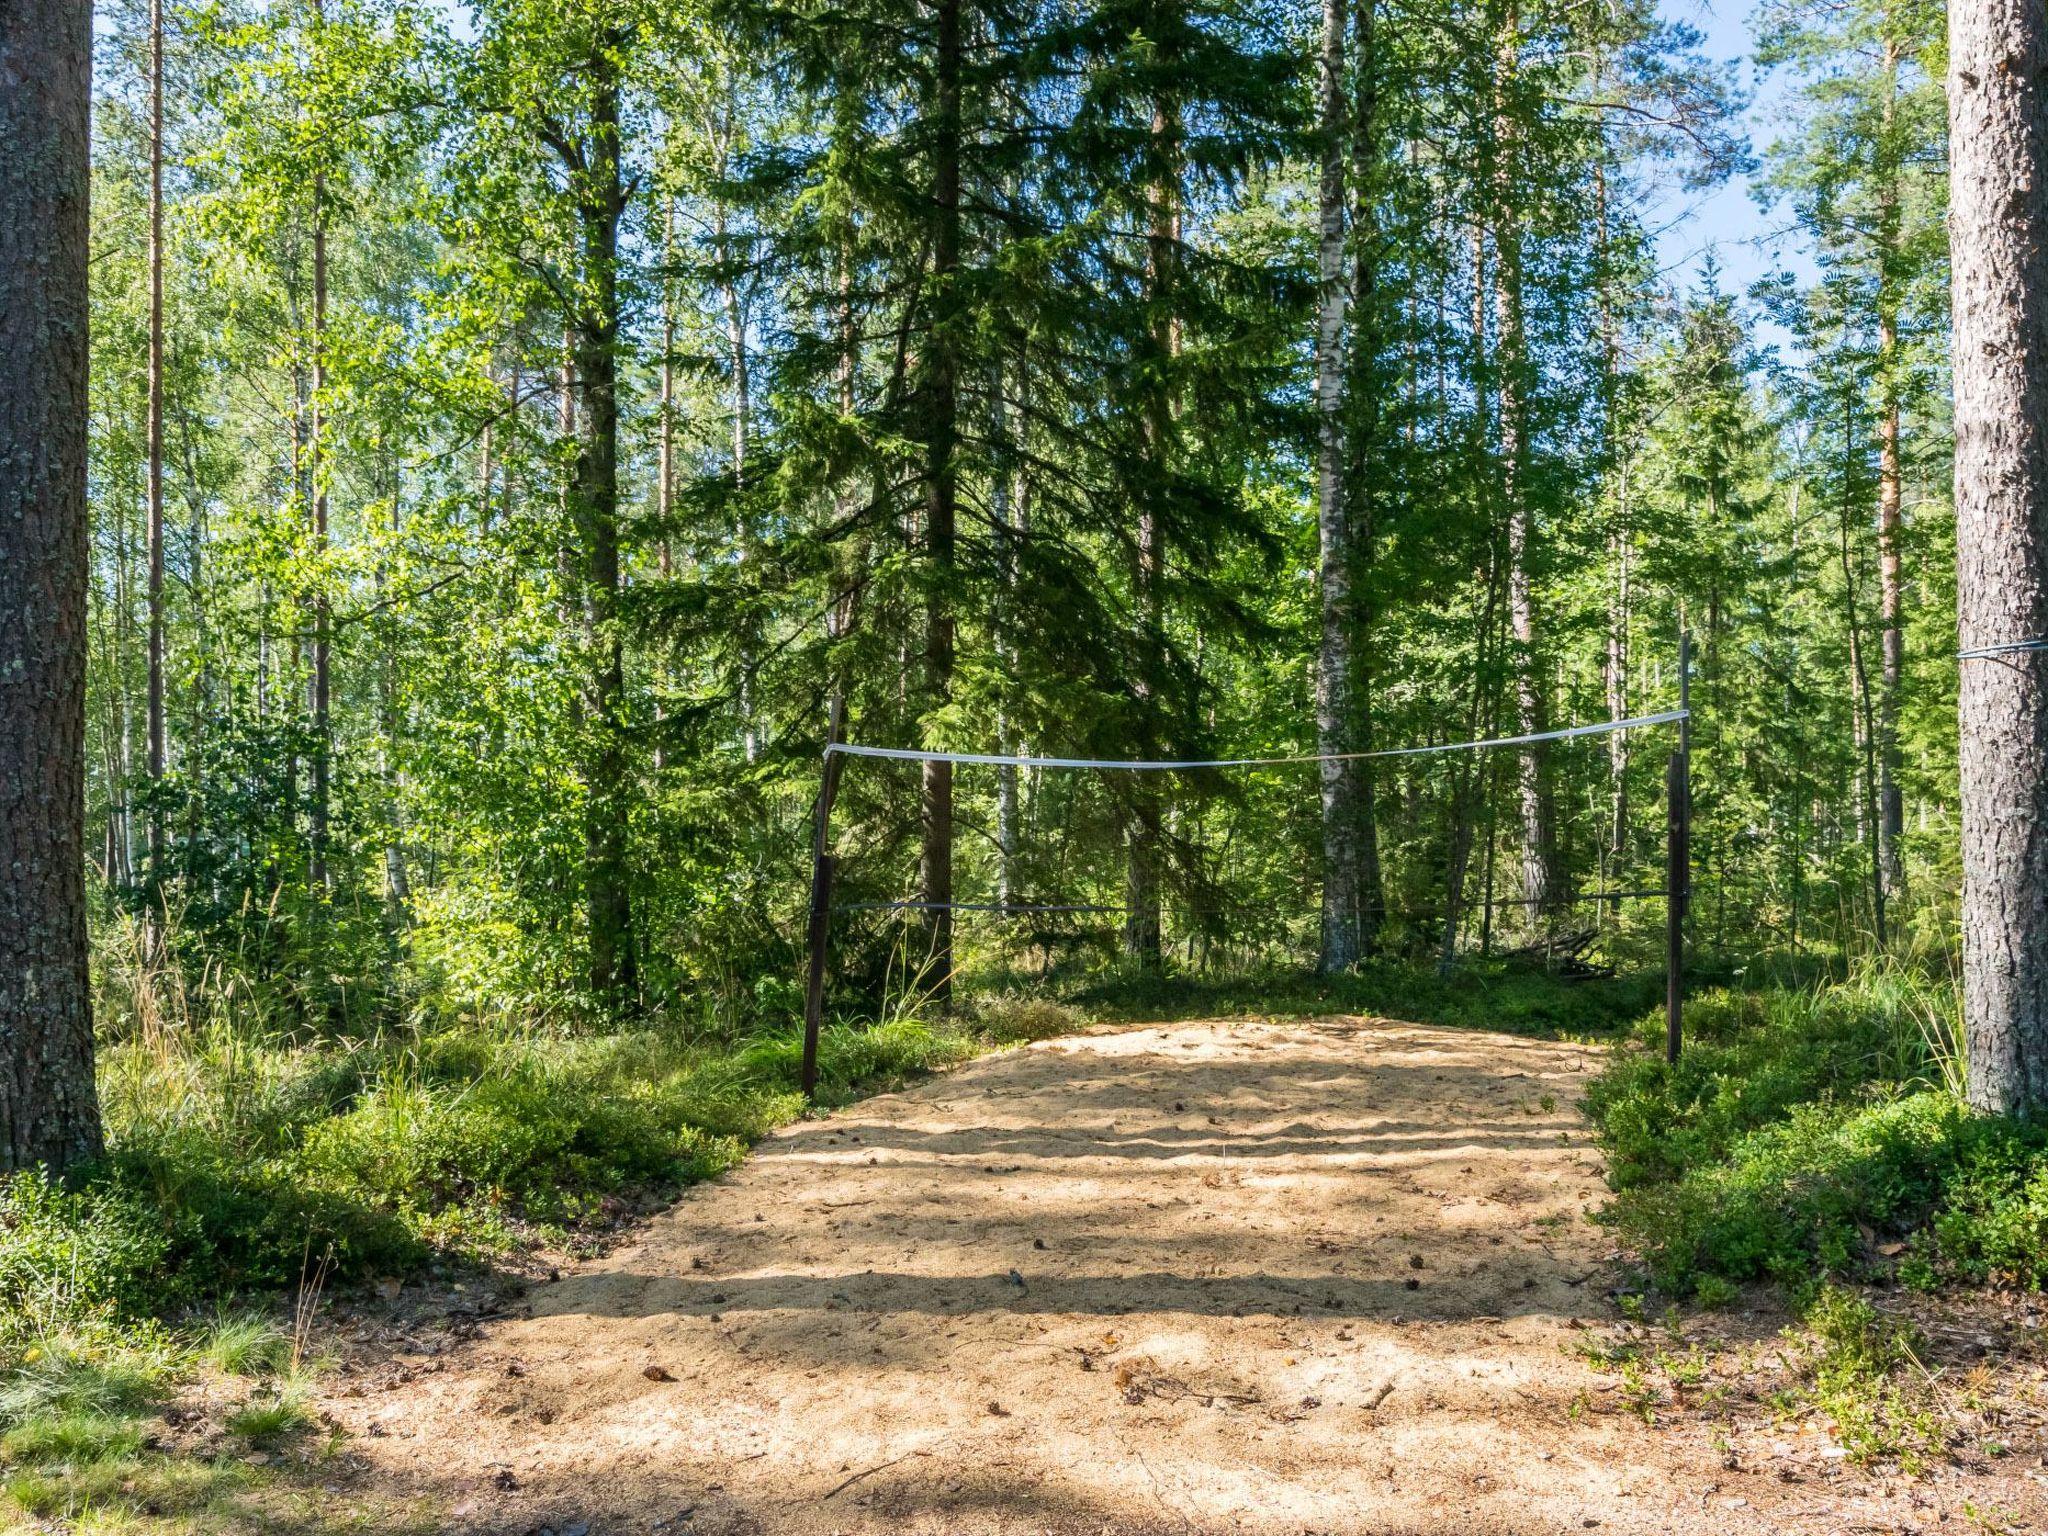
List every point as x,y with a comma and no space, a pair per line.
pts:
1000,760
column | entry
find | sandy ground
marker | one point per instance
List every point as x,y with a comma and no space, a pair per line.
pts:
1304,1277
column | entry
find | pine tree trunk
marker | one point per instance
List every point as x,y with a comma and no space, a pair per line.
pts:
121,772
614,976
1998,221
942,407
1620,537
1336,668
1010,517
1865,706
49,1107
1891,823
742,428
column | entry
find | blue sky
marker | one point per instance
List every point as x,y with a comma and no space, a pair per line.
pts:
1726,224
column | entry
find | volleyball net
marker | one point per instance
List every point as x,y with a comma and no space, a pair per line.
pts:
840,755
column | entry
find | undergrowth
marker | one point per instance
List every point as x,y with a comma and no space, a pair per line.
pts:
247,1164
236,1163
1817,1132
1815,1137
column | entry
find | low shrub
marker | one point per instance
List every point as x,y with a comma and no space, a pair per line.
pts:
67,1257
1811,1133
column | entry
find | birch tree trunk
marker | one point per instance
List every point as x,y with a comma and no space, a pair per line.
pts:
49,1107
1891,824
323,735
154,471
1998,222
1336,671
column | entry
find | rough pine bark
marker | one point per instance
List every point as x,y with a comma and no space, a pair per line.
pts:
49,1109
1998,221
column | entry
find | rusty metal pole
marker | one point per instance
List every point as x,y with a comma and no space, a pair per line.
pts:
1678,859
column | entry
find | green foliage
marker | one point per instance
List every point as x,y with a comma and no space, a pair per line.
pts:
240,1164
1862,1371
1810,1132
67,1257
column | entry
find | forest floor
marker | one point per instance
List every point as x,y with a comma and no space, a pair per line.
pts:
1305,1276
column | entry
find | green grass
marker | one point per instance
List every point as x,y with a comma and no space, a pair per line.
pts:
240,1166
244,1165
272,1417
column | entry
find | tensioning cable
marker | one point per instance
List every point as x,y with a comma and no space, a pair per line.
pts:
2010,648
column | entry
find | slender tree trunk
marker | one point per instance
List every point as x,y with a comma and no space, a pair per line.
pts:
1867,731
1998,223
1146,844
1539,854
155,452
1467,783
1620,536
1336,667
941,407
397,880
121,779
1891,824
742,428
614,970
665,458
1009,513
49,1107
323,734
487,464
1363,401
